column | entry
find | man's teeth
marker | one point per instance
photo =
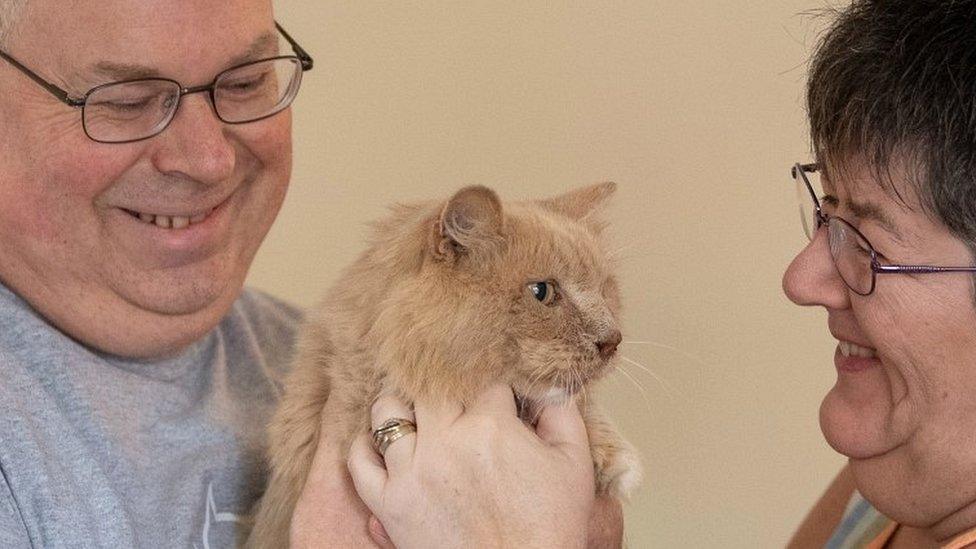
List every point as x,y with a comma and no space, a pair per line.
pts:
170,221
850,349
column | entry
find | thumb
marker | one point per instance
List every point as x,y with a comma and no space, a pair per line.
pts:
367,471
562,425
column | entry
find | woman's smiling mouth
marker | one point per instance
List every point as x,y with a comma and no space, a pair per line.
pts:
849,349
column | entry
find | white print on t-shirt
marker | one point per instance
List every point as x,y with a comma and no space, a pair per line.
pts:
214,516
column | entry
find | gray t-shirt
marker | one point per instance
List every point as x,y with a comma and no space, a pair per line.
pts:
98,451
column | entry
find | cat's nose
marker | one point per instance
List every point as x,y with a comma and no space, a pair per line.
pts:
608,345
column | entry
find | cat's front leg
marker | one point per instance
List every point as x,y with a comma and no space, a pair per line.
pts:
616,466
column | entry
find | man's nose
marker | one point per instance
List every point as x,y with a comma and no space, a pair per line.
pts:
812,277
195,145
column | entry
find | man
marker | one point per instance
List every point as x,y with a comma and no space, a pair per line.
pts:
146,149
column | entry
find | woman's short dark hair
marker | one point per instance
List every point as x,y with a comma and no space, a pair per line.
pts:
893,87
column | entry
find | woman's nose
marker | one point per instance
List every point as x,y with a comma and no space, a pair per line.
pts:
812,277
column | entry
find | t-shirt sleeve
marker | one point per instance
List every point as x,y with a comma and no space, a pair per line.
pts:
13,531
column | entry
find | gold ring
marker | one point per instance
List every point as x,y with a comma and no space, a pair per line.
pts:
389,431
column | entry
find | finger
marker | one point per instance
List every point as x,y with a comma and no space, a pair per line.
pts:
389,406
496,398
400,451
367,471
562,425
378,534
435,414
606,526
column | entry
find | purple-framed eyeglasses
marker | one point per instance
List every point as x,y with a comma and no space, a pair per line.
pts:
856,260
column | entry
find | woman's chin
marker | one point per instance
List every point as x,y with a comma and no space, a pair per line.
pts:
858,429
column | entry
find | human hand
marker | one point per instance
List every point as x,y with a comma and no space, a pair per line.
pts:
329,513
479,476
605,530
606,527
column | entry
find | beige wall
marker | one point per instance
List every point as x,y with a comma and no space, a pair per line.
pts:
695,109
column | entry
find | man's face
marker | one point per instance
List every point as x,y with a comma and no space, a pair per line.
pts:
72,242
902,408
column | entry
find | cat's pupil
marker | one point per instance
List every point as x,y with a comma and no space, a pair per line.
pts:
540,290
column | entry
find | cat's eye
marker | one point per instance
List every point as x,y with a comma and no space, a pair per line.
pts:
544,291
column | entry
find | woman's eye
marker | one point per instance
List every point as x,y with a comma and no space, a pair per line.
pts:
544,292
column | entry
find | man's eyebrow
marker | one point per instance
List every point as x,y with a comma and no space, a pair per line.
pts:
873,212
265,45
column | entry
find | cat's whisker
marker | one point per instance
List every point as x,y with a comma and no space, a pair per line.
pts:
565,381
697,360
618,380
667,386
534,379
617,254
635,363
640,387
582,387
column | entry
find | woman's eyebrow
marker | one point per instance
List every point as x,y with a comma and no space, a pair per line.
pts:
872,212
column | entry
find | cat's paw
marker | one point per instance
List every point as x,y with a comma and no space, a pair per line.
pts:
618,472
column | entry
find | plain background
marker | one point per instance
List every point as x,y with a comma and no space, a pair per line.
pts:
695,108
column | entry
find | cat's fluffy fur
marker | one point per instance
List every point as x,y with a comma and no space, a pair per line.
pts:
439,305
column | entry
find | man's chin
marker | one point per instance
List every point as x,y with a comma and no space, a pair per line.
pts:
162,320
204,289
192,301
158,330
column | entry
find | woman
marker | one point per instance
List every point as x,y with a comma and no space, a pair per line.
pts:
890,207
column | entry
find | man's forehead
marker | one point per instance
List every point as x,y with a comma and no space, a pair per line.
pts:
160,35
265,45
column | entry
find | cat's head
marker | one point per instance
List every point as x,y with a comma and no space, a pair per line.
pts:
537,280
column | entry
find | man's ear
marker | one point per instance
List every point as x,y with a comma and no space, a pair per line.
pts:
470,221
580,203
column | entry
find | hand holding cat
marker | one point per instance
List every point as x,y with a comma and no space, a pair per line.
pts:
477,476
329,513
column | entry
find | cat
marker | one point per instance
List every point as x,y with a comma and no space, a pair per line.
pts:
449,296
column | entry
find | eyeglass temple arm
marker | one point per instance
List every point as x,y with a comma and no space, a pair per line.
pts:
303,56
920,269
54,90
797,169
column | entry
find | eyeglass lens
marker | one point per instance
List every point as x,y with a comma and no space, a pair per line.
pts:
808,210
850,251
852,255
129,111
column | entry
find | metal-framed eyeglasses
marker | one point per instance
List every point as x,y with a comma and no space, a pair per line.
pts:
856,259
137,109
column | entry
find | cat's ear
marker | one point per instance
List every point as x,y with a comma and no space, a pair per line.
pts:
471,220
580,203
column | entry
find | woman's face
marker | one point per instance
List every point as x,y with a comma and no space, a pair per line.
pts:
903,408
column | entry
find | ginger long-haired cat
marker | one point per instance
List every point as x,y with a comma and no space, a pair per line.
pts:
449,296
